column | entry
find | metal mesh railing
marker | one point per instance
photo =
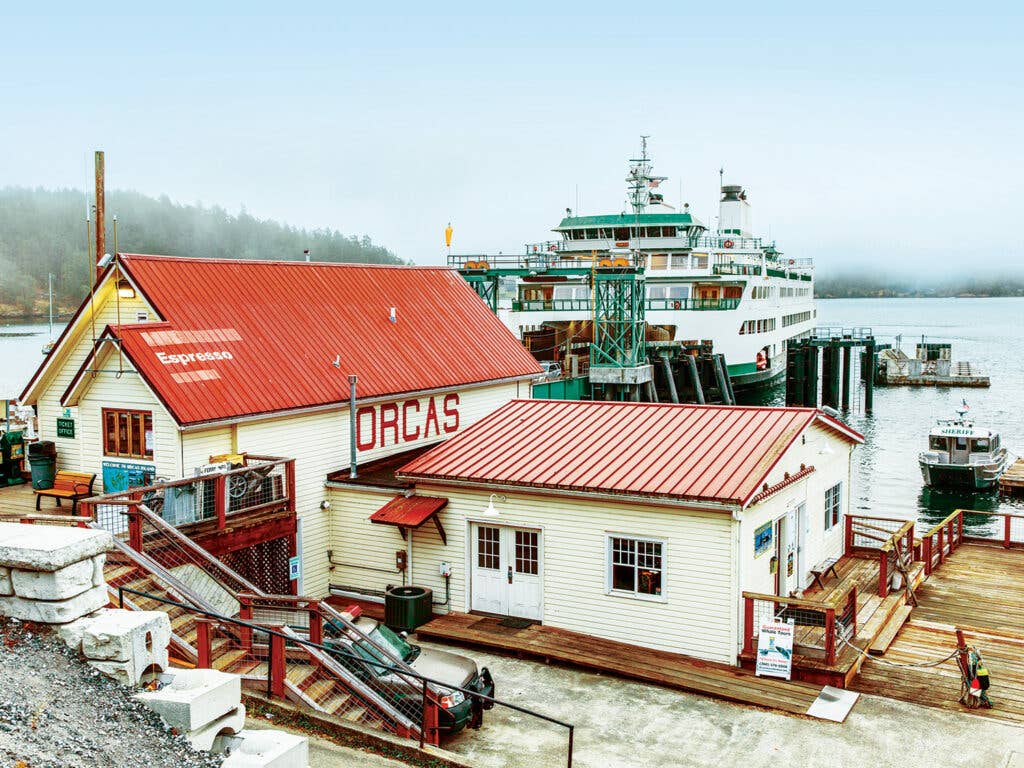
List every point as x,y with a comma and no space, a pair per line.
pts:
819,626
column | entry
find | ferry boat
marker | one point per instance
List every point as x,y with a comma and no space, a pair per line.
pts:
961,455
724,286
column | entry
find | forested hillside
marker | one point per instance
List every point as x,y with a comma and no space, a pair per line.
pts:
43,231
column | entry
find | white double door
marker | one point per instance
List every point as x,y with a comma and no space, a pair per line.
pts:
793,533
506,570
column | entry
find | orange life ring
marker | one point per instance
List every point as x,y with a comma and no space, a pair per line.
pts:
469,265
482,265
535,249
677,305
728,243
553,247
622,244
604,263
621,261
792,262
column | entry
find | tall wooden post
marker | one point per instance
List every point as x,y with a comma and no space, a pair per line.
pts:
847,377
101,232
810,376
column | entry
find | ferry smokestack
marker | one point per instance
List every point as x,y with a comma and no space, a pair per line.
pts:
101,233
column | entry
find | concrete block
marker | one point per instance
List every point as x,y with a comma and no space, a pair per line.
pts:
72,632
49,547
233,722
118,635
97,570
267,749
194,698
5,581
54,611
61,584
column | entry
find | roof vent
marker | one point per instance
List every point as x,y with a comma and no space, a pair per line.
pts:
393,316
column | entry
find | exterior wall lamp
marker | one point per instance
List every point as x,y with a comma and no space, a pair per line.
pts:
491,510
125,290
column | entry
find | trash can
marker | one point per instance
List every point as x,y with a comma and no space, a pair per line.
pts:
42,455
406,608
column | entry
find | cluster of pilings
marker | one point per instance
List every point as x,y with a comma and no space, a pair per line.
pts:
835,371
690,376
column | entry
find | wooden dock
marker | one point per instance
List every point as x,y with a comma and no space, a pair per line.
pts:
1012,481
671,670
980,589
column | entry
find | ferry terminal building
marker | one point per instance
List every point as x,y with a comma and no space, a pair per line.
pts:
636,522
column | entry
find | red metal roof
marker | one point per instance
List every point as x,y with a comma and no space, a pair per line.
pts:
408,512
247,337
698,452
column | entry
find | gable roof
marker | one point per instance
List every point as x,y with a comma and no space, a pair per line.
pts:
696,452
244,337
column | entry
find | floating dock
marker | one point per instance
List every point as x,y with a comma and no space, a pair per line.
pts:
931,366
1012,481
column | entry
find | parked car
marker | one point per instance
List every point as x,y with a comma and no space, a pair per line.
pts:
551,370
457,709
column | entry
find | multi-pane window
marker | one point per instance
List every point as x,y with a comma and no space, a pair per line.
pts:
833,505
527,552
636,566
488,547
128,434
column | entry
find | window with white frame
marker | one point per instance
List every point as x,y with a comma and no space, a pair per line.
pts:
833,505
635,566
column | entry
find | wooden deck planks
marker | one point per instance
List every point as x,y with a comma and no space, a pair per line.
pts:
659,667
1012,480
980,589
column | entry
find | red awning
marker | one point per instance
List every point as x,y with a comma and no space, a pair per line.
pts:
411,512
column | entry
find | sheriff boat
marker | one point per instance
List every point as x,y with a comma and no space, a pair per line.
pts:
725,286
961,455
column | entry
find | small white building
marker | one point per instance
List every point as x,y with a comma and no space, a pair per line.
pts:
641,523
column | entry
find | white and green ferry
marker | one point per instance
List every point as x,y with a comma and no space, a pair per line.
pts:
724,286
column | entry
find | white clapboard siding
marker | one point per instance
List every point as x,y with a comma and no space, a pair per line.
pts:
697,615
128,391
69,358
320,445
360,544
198,447
830,457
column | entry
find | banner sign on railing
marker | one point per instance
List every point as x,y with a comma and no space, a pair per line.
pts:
775,649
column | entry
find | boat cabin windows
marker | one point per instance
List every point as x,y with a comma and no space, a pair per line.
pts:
936,443
571,292
668,291
658,261
621,233
980,445
128,434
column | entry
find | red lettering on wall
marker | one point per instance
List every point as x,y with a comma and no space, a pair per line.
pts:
431,417
366,438
388,420
409,405
451,412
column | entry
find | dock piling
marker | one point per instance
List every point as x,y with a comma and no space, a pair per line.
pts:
698,389
847,361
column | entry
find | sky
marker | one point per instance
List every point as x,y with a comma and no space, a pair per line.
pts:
868,139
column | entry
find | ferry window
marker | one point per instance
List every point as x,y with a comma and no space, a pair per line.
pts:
678,291
604,233
128,434
621,233
635,566
981,444
668,231
659,261
700,261
681,261
936,443
833,505
591,234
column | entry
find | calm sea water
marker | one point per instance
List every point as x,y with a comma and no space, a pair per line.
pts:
987,332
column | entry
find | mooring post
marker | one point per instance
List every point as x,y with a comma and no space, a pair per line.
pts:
869,376
847,360
794,374
720,377
830,372
698,389
811,376
668,375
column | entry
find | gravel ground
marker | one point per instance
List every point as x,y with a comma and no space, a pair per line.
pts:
57,712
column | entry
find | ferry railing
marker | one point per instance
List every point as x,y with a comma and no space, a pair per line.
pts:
819,625
584,305
263,652
838,332
891,538
693,304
